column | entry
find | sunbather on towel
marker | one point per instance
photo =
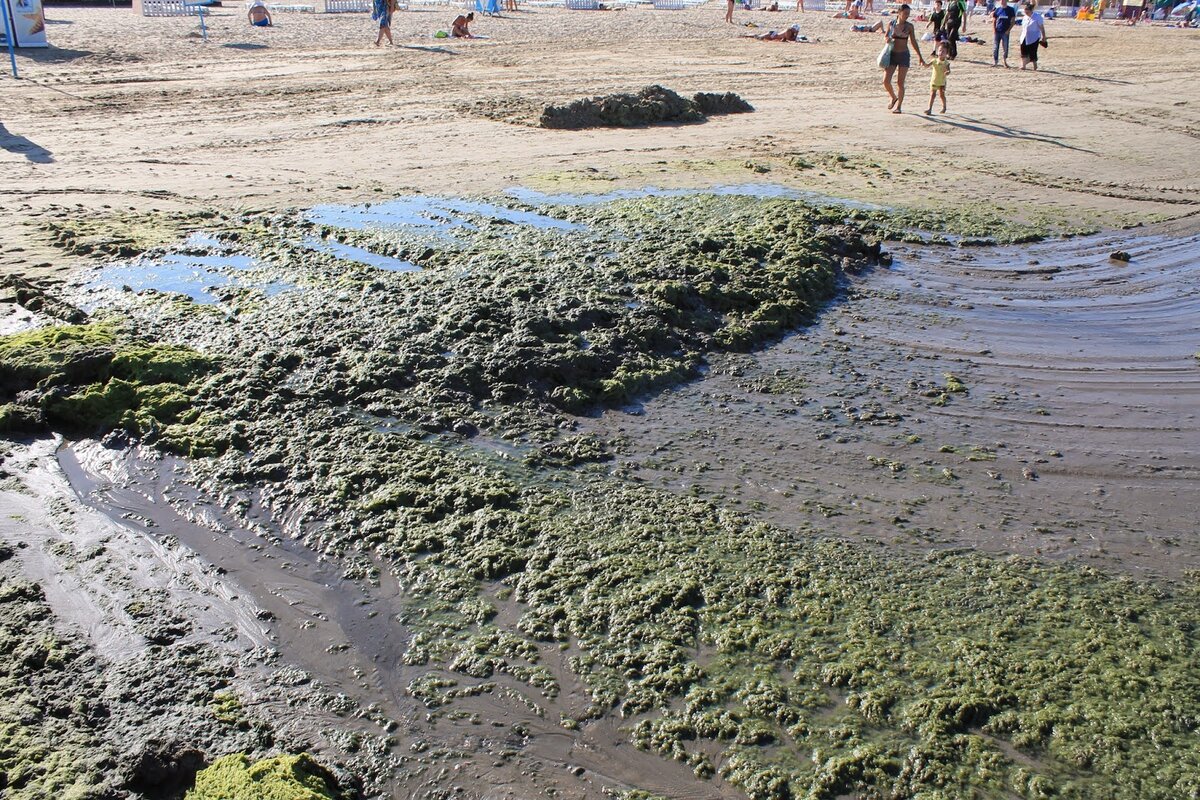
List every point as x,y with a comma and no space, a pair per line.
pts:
789,35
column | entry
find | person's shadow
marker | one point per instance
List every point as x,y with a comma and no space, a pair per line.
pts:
19,144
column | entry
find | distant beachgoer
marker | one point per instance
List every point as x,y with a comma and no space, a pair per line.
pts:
460,28
789,35
383,10
950,27
853,10
510,5
937,79
1003,16
900,34
878,26
936,19
258,14
1033,36
729,11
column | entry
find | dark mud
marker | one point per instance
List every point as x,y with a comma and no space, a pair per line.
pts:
476,602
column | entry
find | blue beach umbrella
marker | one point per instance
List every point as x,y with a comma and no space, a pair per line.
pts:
10,33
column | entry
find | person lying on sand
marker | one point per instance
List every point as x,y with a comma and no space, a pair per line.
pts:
258,14
789,35
460,28
876,28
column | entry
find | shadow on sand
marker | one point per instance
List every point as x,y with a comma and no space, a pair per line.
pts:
15,143
1003,131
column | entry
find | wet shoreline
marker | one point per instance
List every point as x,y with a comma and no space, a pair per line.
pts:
487,595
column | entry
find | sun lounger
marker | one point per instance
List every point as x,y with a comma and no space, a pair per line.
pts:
169,8
583,5
284,8
347,6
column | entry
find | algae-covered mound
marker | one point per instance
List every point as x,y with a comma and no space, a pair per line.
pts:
650,106
91,378
48,702
629,303
292,777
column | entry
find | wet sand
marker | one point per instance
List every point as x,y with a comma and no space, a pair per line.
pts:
1076,436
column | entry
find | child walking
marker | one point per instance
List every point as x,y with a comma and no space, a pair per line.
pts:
940,66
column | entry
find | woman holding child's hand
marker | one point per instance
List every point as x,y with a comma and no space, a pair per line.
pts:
900,34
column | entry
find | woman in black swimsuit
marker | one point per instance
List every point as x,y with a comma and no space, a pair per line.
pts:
900,34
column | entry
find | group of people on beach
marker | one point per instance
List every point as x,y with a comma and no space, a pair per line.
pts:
382,11
946,26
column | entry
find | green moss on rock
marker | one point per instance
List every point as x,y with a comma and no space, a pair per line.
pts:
288,777
91,378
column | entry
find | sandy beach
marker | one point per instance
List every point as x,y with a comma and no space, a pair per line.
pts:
349,416
137,113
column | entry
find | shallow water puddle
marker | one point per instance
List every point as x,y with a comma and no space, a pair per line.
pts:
435,214
198,277
763,191
360,255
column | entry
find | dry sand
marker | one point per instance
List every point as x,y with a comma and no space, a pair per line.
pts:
127,112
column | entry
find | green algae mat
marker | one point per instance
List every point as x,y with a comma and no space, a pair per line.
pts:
789,664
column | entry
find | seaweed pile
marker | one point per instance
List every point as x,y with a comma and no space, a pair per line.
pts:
652,105
778,662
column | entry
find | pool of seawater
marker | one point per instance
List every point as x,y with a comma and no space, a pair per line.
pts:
360,255
765,191
198,277
429,214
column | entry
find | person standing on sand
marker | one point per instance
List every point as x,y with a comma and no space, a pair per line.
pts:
383,10
1033,36
1003,15
954,19
729,11
900,34
936,20
937,80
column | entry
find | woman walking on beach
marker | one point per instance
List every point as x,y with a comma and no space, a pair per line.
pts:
383,11
899,35
1033,36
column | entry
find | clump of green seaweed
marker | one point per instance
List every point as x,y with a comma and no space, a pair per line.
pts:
91,378
790,665
649,106
289,777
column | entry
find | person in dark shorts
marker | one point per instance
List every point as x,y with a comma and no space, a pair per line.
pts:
936,19
900,34
1033,36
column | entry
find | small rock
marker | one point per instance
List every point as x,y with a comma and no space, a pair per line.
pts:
1120,255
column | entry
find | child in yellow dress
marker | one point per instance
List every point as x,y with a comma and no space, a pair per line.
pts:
937,79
